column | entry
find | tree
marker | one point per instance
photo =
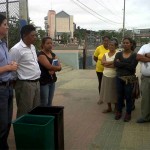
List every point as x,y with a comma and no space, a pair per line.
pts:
64,38
40,35
80,34
14,32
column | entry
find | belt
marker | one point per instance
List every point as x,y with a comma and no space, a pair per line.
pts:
7,83
36,80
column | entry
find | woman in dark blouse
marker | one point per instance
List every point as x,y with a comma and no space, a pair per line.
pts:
48,76
125,63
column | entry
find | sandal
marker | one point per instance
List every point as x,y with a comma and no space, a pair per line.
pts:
100,102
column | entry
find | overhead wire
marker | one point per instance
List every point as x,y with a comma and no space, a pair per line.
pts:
119,3
108,9
97,13
90,12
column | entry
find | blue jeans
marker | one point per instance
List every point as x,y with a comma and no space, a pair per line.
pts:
124,91
6,109
47,94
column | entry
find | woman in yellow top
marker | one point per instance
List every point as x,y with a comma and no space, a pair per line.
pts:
98,55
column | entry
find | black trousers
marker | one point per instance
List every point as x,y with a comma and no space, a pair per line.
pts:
99,76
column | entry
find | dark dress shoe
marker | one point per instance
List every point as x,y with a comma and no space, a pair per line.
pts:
118,116
127,117
141,120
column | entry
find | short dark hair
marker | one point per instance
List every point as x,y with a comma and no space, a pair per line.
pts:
104,37
25,30
128,38
2,18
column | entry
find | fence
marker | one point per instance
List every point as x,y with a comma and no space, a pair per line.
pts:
10,8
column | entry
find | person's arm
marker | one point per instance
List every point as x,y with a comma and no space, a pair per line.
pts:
95,58
51,72
96,53
128,66
142,55
59,64
15,56
108,64
147,55
44,61
11,67
143,58
117,61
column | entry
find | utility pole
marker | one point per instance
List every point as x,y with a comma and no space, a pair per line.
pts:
85,52
133,35
123,30
23,12
7,10
7,16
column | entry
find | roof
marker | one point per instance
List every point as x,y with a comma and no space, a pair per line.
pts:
62,14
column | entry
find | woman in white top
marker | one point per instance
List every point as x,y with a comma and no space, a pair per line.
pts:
108,92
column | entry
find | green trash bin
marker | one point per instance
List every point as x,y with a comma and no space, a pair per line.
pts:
57,112
34,132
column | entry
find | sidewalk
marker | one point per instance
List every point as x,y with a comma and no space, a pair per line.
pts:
85,126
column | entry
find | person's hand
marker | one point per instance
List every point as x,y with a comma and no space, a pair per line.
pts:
59,68
51,72
147,55
13,66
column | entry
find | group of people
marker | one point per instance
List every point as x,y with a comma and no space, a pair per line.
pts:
116,77
32,76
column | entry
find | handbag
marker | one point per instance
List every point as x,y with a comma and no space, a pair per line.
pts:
136,89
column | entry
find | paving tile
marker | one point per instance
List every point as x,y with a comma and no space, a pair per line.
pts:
80,84
85,126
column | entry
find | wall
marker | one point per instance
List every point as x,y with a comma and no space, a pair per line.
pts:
74,58
68,57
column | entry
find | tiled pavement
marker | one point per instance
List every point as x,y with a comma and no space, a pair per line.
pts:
85,126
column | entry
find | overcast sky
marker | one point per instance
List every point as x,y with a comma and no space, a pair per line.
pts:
95,14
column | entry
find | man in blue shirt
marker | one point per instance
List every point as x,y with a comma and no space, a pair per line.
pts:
6,89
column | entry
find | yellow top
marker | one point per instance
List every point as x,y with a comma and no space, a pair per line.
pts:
99,52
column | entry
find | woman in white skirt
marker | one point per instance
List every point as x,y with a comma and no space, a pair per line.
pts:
108,92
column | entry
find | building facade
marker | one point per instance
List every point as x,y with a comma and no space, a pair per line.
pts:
58,24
